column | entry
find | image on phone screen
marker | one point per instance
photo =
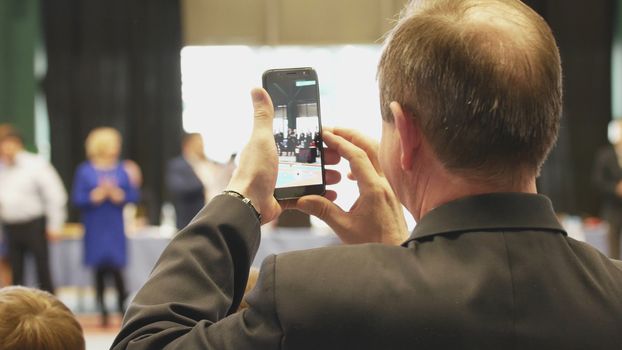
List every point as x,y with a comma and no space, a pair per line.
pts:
297,131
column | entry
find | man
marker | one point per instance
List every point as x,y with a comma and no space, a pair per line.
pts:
607,177
192,178
471,99
32,207
184,186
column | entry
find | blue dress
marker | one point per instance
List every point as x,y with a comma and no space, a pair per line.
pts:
105,243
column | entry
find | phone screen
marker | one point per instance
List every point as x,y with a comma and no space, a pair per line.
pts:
297,131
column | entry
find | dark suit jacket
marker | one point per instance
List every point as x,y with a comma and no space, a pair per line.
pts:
186,190
487,272
606,176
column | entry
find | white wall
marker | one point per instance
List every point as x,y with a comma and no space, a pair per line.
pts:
287,22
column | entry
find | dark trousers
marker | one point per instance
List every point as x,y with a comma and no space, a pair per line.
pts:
29,237
101,272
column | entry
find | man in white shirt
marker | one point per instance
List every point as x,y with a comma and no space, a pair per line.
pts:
32,207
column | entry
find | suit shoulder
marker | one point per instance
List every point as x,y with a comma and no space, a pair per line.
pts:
340,254
595,260
309,270
341,284
174,161
178,163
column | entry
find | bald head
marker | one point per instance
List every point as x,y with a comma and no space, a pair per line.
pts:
482,79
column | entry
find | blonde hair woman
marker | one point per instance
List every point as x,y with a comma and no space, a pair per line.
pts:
35,320
101,189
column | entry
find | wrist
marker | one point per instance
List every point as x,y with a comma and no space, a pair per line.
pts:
246,191
246,201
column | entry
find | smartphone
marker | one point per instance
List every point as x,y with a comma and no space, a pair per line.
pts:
297,131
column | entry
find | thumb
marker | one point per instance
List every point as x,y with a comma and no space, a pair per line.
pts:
263,109
323,208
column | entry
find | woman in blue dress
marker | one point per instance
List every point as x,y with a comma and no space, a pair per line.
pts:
101,188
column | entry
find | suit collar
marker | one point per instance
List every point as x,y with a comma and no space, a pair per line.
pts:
489,212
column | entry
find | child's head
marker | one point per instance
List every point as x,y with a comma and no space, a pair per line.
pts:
34,319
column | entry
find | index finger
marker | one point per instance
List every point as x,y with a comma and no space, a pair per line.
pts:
360,164
367,144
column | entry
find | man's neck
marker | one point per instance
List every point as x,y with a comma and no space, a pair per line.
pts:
436,187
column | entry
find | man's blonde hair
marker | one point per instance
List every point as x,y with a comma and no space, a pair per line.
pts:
35,320
100,139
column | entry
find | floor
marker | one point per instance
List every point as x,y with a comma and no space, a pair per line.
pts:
98,337
82,303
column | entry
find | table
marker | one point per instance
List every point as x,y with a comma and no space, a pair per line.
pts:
145,247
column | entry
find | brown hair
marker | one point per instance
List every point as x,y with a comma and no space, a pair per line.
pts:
33,319
482,79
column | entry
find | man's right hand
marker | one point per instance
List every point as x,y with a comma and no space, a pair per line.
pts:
377,215
256,174
255,177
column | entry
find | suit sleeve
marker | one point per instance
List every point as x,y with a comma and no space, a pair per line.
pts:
196,286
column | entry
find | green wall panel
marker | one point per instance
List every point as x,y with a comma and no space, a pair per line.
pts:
19,33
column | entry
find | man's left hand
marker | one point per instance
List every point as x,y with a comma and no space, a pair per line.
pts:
377,215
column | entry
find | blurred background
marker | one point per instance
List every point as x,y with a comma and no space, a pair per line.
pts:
155,70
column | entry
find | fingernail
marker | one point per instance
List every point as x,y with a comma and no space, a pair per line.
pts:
257,95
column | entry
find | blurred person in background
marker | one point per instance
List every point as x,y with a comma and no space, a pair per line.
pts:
192,178
607,177
133,172
135,213
36,320
32,207
101,188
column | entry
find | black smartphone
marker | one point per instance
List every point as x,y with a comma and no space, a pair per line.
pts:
297,130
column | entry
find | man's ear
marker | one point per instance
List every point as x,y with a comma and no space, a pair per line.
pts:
408,133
